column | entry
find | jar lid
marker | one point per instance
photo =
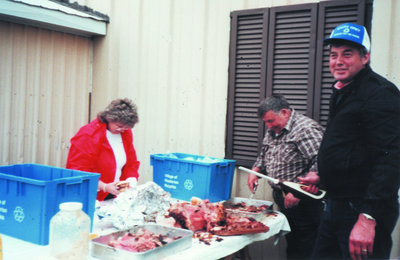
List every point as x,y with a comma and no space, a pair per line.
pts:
71,206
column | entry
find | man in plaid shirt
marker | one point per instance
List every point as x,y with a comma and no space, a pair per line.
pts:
289,150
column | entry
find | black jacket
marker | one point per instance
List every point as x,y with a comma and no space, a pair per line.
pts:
359,157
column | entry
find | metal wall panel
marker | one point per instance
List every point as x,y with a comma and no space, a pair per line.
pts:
44,84
170,56
385,60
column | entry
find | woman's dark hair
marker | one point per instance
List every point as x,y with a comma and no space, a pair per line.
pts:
275,103
123,111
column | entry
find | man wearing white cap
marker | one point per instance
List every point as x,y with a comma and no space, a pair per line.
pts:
358,160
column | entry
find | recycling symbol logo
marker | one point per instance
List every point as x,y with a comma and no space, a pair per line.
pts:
19,214
188,184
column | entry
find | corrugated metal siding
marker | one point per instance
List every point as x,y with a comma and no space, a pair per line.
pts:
385,59
385,36
172,61
172,68
169,56
44,84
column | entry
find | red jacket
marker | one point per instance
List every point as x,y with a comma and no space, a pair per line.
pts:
90,151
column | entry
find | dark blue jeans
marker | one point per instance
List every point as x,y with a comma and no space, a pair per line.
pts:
337,222
304,220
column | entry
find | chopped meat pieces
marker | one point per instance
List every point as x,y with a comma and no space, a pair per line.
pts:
238,226
248,208
212,217
198,216
206,238
143,240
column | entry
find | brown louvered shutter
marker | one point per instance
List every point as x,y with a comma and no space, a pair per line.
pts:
332,14
280,50
247,69
291,55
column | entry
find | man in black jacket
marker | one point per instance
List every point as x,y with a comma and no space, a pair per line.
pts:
358,160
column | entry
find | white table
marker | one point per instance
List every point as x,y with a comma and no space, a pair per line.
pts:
278,226
18,249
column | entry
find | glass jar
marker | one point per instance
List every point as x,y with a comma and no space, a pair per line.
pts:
70,232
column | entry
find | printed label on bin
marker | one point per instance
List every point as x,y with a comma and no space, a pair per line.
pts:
188,184
3,209
19,214
170,181
44,188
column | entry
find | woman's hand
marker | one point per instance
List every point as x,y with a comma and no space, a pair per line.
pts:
112,188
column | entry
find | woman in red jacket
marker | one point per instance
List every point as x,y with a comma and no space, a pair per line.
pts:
105,146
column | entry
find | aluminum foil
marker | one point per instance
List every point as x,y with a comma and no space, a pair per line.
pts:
136,206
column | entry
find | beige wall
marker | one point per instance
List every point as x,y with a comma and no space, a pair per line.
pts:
385,37
385,56
169,56
44,86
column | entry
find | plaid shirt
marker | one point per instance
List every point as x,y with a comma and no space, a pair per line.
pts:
293,152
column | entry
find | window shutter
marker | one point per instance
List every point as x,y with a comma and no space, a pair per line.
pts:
247,69
280,50
291,55
331,14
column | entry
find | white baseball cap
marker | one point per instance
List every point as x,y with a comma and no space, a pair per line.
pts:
350,32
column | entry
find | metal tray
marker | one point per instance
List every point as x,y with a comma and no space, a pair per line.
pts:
242,213
101,250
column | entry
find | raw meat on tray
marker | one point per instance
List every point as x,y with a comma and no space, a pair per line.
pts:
198,215
202,215
239,226
141,241
248,208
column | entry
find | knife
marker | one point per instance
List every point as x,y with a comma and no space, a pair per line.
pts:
289,186
254,189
